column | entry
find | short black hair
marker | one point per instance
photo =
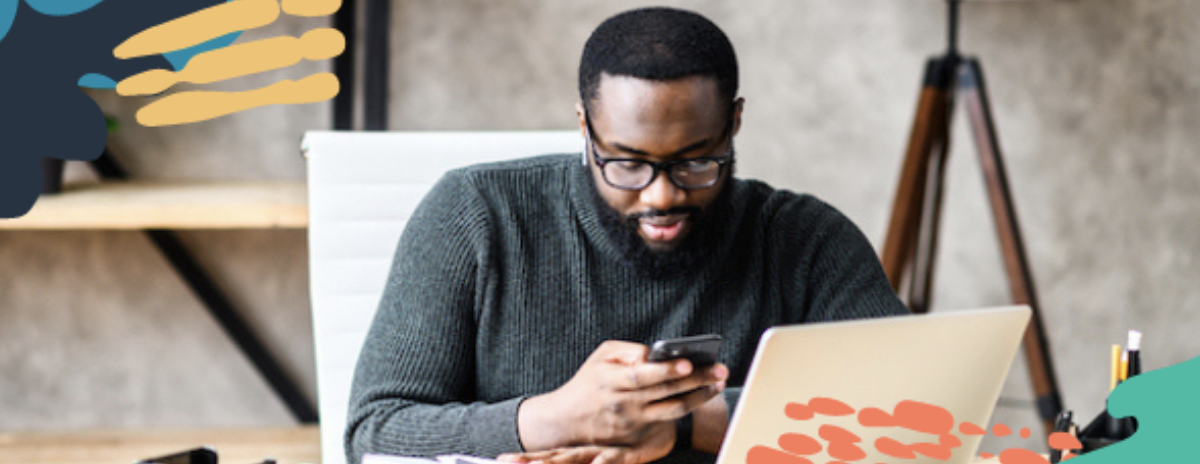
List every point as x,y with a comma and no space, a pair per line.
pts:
658,44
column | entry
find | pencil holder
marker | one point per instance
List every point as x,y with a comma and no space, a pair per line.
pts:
1105,430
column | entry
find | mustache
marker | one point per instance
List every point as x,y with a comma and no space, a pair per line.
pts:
650,213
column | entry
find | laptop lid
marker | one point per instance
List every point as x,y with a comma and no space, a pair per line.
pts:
900,386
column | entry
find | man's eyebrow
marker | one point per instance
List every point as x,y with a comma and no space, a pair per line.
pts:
683,151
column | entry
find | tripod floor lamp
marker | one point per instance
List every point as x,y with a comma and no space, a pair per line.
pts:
911,243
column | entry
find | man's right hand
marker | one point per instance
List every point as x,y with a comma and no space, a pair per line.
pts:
614,399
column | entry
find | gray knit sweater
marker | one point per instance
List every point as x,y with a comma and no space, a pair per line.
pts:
504,282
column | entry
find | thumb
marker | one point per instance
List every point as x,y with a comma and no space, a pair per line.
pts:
625,353
630,358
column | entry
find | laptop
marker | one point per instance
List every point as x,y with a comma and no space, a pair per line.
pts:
912,379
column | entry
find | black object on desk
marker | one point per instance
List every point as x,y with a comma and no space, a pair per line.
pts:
201,455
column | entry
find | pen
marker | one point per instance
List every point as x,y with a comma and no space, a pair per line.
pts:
1133,368
1135,357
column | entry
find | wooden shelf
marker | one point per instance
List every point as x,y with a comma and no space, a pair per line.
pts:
291,445
173,205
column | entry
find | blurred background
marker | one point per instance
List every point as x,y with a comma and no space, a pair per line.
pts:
1096,104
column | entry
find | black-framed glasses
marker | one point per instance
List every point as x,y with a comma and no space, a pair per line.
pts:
637,174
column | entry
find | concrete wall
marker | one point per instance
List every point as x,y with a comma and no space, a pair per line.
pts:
1095,102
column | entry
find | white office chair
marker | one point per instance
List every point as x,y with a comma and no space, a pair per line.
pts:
362,188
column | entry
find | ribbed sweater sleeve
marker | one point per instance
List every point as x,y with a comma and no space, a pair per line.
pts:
417,366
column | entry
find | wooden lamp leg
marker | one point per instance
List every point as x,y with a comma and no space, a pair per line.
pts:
1020,278
928,134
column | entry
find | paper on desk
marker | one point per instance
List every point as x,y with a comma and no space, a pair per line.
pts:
391,459
446,459
465,459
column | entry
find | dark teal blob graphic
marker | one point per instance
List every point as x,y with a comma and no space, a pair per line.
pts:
50,48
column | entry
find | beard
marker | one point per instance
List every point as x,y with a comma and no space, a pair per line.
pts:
703,234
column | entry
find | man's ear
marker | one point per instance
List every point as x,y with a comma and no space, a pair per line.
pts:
738,105
579,111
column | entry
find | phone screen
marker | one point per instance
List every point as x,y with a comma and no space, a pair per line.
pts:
701,350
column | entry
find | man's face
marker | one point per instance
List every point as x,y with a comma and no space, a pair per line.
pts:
659,121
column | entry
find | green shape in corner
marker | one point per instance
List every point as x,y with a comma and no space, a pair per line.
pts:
1166,403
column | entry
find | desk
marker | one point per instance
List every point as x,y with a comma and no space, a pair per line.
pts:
290,445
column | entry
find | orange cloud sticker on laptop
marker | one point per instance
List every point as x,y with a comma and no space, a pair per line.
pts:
844,446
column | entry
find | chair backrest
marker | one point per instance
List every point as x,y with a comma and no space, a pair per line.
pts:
362,188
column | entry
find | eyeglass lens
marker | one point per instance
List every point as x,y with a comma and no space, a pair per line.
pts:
636,174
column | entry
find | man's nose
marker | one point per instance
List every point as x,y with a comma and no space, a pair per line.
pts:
662,194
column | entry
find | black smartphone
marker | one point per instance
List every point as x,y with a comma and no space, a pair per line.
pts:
202,455
701,350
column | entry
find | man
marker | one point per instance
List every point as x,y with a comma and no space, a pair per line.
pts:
523,293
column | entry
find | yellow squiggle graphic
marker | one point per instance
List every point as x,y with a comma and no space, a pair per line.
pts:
200,105
230,62
311,8
240,60
200,27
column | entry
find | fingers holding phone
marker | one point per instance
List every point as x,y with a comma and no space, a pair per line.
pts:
671,367
674,399
620,392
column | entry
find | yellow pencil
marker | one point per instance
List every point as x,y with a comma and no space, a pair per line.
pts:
1124,365
1116,366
